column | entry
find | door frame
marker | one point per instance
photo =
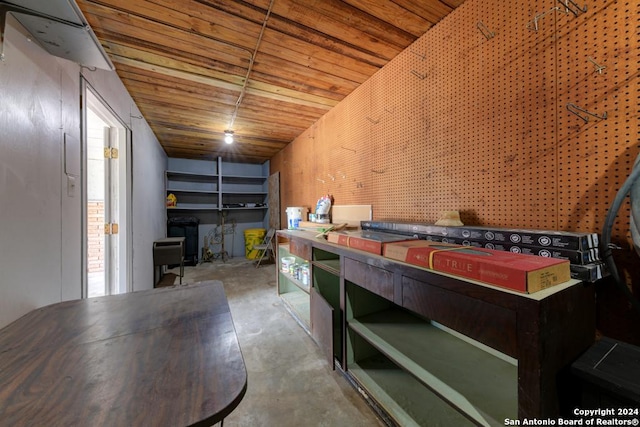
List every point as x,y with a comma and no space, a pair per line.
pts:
87,90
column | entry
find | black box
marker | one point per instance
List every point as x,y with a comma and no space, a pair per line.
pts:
589,272
187,227
531,238
575,257
610,375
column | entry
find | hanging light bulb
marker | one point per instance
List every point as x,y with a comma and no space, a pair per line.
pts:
228,136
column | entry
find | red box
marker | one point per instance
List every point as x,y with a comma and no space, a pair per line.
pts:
523,273
368,241
372,246
338,238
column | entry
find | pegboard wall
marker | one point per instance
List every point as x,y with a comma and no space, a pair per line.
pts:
519,114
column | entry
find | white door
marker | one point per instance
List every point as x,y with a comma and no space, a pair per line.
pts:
106,204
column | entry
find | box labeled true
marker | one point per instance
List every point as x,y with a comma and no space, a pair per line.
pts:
523,273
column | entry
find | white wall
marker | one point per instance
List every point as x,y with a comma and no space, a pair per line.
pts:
40,224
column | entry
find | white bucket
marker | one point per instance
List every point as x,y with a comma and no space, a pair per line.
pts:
294,216
286,263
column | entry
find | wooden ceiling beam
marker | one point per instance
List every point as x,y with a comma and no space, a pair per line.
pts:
219,144
312,21
396,15
284,122
154,91
244,125
315,57
433,11
146,20
202,75
361,19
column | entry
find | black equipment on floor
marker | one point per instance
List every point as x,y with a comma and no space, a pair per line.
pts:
610,375
187,227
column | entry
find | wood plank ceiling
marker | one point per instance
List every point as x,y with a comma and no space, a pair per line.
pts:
265,69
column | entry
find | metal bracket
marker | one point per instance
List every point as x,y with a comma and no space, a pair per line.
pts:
9,7
599,67
488,34
584,114
539,16
421,76
571,6
420,55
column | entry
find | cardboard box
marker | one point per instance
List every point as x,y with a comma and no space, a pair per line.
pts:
368,241
338,238
574,257
518,272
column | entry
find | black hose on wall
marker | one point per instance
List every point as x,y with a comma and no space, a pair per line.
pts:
631,185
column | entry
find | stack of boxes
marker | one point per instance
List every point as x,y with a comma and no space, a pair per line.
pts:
514,271
580,249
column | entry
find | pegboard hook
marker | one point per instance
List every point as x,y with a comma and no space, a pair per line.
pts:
485,31
584,114
421,76
420,55
533,24
571,6
599,67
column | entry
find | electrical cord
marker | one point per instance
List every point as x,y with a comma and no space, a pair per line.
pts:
634,195
632,182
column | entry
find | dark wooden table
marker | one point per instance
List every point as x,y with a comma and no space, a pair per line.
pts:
164,357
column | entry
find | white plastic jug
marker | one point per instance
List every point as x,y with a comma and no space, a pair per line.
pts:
294,216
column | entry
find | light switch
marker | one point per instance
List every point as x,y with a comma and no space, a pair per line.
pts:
71,186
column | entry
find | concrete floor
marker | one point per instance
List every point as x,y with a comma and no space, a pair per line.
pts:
289,381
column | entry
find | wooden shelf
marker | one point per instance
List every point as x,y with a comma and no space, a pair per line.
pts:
298,303
197,191
193,207
244,178
330,265
479,383
192,175
402,396
236,193
298,283
240,208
